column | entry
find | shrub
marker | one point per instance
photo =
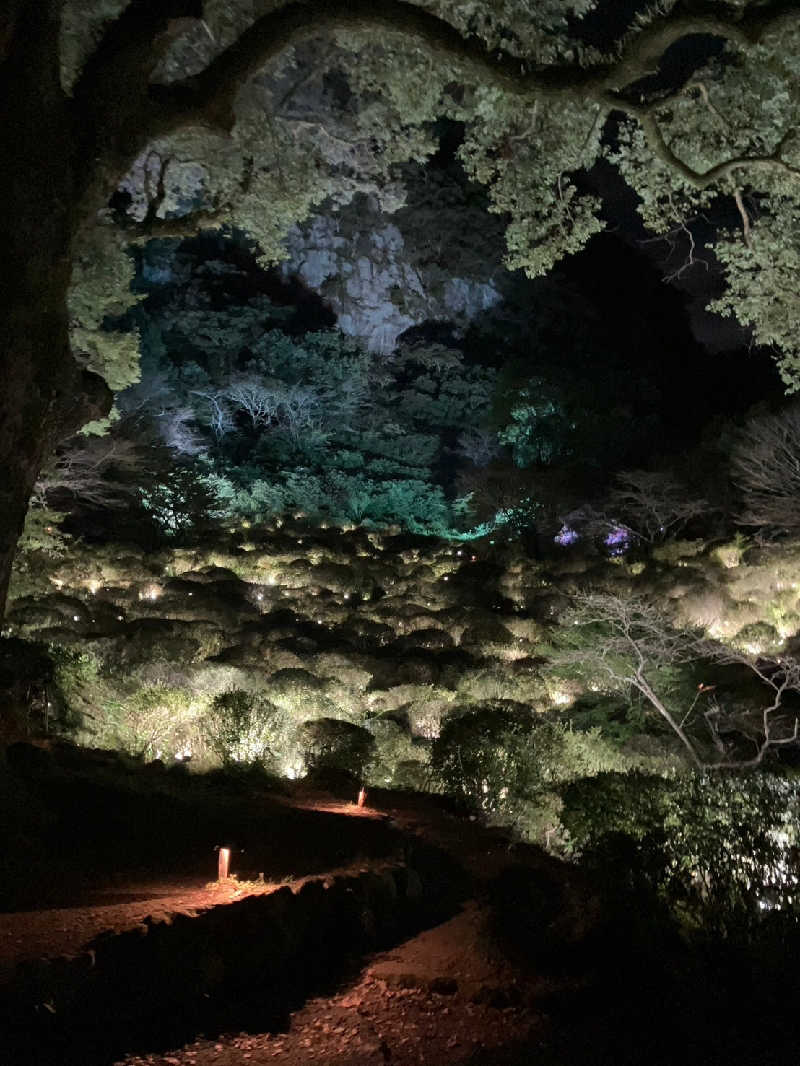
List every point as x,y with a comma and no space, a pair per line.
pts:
717,850
242,727
758,638
500,758
398,761
330,744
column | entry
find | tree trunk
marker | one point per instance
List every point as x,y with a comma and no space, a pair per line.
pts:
44,393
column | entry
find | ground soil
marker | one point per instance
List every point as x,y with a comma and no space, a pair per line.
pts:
445,996
450,995
442,997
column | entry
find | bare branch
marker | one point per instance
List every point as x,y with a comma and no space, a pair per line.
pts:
635,641
99,471
654,504
765,466
744,216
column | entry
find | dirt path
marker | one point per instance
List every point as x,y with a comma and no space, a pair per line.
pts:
33,934
441,998
445,996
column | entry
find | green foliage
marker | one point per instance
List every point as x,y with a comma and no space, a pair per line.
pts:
42,533
717,850
526,162
503,760
324,122
182,501
330,744
311,425
243,727
100,294
540,429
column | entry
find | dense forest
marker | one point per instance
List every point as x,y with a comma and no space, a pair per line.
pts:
400,395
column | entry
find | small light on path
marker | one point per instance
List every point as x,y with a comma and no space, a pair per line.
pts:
362,797
224,863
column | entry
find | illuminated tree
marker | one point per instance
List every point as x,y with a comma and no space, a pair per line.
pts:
126,119
765,465
654,504
628,643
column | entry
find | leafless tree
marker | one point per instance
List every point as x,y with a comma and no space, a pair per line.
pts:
765,467
99,471
178,431
479,446
220,415
654,504
301,409
633,643
151,411
259,400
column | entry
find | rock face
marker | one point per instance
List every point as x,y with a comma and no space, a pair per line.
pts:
357,263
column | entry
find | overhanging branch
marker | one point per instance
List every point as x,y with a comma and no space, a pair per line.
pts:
126,112
702,179
213,90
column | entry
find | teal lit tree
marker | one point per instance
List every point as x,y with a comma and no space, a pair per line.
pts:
137,119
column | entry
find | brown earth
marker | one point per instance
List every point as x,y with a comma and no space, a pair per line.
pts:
444,996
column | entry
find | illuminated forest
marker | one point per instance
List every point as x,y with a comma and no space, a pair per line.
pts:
399,397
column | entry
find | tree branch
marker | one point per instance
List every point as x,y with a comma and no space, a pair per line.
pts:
121,112
111,106
702,179
213,91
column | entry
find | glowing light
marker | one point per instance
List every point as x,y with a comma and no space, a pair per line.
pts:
259,595
618,541
120,618
76,618
223,864
362,797
347,595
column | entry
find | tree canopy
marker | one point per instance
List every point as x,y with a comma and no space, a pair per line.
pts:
253,113
147,117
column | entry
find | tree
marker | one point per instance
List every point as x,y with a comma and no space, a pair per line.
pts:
128,120
98,471
654,504
765,467
628,642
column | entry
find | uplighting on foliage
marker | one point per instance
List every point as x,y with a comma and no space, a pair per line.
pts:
618,541
566,536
